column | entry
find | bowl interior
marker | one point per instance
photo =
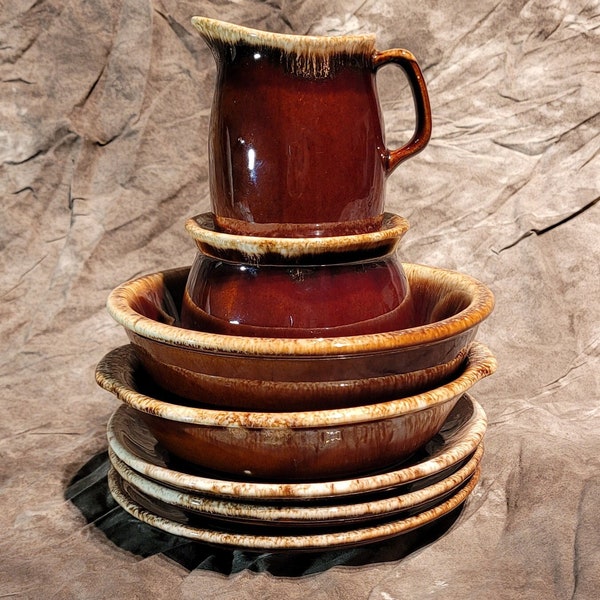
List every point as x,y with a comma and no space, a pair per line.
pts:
445,303
282,374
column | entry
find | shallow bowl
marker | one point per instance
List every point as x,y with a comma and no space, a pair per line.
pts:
292,446
130,439
312,250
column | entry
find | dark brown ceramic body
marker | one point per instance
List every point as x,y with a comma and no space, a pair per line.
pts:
311,454
297,301
290,150
296,144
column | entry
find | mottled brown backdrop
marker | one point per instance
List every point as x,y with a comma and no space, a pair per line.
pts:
104,109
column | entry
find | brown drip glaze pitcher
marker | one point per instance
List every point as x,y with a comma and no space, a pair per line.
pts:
297,147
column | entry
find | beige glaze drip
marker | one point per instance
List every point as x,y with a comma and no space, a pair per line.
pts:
302,55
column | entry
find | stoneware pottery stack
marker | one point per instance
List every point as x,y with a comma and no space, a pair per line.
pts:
299,387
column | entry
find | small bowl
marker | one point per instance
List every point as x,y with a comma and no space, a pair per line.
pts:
233,298
288,374
293,446
296,250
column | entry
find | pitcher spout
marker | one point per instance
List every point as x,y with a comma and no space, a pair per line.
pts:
216,35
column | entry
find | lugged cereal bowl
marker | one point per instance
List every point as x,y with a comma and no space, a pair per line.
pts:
290,446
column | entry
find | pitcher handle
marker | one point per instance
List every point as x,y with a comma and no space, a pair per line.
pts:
407,62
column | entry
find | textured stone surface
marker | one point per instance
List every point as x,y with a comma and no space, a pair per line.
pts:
104,108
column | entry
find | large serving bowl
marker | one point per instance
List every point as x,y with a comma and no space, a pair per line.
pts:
290,446
287,374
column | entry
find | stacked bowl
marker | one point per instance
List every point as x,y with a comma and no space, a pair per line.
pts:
298,387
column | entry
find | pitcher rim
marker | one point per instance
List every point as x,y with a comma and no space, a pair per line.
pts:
292,42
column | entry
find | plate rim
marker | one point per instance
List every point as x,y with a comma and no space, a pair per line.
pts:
284,514
338,539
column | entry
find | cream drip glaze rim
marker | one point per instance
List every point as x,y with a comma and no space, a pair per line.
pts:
304,514
302,55
353,536
202,229
214,30
116,374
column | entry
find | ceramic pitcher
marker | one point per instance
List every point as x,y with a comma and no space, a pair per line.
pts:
296,143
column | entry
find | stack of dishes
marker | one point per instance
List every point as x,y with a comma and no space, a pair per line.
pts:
172,495
193,455
298,387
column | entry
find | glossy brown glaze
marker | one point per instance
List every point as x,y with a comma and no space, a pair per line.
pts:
255,373
295,445
368,296
462,433
254,394
296,140
300,454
